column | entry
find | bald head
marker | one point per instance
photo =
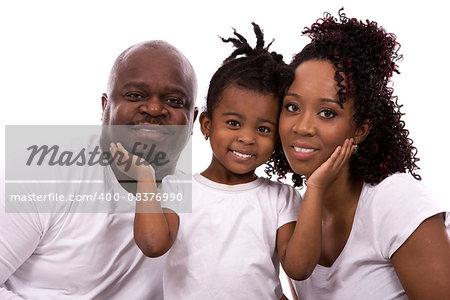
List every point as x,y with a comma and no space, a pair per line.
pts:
145,72
157,47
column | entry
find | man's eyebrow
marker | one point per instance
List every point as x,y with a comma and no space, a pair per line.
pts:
137,84
167,88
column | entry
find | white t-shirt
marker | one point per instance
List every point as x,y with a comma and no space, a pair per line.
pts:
75,250
386,215
226,248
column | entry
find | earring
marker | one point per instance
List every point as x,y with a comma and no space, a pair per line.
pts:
206,136
355,149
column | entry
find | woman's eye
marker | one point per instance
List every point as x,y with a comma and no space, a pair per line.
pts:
263,129
291,107
327,114
233,123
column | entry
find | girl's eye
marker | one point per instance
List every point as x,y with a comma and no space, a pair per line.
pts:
327,114
263,129
291,107
233,123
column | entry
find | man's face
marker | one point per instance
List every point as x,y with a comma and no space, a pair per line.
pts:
152,86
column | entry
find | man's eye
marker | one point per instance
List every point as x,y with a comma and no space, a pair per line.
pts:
233,123
175,102
327,114
134,96
291,107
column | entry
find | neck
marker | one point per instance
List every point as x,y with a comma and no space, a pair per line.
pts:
342,194
229,178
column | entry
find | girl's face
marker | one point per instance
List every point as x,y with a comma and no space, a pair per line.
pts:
312,123
242,131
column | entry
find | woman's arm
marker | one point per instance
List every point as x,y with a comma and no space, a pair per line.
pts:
422,263
154,229
299,245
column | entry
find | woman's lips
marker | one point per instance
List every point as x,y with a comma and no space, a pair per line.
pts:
302,151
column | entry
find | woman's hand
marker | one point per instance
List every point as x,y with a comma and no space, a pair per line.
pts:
329,170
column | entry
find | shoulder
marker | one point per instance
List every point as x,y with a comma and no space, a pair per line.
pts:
285,195
396,207
278,187
400,190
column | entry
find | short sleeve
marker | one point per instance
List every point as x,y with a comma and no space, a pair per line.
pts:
20,231
176,193
289,200
400,205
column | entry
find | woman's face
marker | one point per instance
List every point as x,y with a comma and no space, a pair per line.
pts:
312,123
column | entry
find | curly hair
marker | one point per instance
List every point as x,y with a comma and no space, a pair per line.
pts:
255,69
365,55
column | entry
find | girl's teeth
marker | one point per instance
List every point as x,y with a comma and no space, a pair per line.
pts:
304,150
242,155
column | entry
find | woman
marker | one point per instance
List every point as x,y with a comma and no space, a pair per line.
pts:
384,236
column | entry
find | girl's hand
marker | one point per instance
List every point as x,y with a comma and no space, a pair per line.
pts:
329,170
130,164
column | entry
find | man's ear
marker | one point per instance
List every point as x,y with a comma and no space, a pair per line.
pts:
193,120
362,131
104,101
195,114
205,124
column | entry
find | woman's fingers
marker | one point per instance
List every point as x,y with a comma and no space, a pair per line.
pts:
341,155
346,152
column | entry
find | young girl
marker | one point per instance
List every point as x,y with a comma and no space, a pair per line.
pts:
241,227
383,234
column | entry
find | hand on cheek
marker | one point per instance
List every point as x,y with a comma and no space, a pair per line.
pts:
329,170
130,164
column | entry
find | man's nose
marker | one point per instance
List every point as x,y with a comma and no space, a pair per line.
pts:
154,106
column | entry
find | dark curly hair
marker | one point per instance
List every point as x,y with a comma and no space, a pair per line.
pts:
255,69
366,55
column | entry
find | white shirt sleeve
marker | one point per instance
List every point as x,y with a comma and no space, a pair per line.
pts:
400,205
20,234
176,193
289,200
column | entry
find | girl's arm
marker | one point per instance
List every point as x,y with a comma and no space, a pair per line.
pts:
154,229
422,263
299,245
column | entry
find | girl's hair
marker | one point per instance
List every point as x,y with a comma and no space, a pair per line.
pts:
365,55
255,69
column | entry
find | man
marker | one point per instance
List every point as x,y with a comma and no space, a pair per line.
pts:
74,251
141,96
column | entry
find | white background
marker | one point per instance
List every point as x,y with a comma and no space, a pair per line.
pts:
55,57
